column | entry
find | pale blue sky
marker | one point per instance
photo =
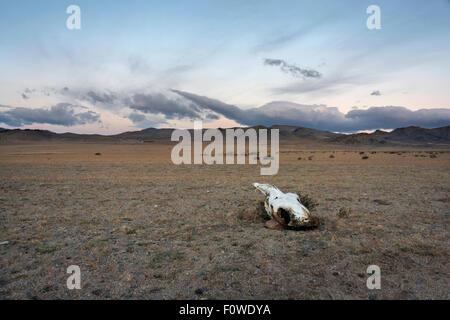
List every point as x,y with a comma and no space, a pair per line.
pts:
217,49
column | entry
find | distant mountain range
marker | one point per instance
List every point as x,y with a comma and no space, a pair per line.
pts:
409,137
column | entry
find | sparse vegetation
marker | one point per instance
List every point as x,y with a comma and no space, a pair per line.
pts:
228,268
261,210
167,255
344,212
147,229
45,248
382,202
307,201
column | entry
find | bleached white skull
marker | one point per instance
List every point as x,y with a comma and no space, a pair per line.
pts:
285,208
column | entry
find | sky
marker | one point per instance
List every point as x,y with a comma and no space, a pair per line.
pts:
136,64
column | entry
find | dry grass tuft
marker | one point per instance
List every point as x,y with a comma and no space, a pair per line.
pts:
382,202
253,214
344,212
307,201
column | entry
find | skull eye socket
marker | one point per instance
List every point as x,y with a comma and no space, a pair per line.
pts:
284,214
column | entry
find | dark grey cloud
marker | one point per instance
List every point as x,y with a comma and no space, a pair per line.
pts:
63,114
137,117
160,104
94,97
142,121
27,92
47,91
218,107
169,107
292,69
396,117
324,117
212,116
376,93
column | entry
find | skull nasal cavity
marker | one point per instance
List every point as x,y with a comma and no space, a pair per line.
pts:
284,214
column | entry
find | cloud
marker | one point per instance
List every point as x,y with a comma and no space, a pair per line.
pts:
292,69
137,117
142,121
169,107
229,111
323,117
283,36
282,39
63,114
95,97
160,104
376,93
324,85
396,117
153,109
212,116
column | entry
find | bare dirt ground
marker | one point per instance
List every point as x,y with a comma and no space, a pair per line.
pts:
140,227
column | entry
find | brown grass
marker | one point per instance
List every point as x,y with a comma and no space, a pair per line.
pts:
140,227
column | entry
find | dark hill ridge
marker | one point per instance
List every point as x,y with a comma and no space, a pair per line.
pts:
401,137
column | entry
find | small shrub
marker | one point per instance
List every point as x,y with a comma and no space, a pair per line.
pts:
261,211
433,156
43,249
228,268
362,152
128,229
382,202
252,214
331,156
169,255
98,154
344,212
299,158
307,201
365,157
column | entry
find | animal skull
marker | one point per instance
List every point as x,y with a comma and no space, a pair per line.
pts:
285,208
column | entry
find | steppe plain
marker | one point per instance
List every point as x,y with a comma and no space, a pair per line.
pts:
140,227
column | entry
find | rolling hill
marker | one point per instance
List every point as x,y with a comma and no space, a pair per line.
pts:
409,137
